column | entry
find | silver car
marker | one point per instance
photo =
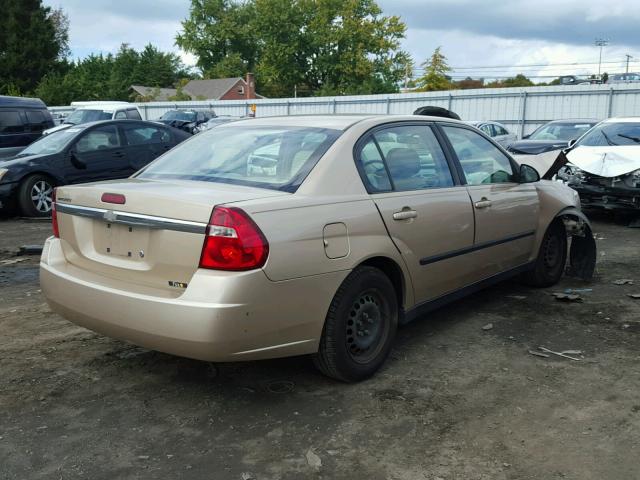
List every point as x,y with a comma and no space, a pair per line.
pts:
497,131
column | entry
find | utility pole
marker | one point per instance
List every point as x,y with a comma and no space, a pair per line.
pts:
629,57
601,42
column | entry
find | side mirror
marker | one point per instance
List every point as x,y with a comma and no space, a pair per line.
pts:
524,137
572,142
528,174
75,161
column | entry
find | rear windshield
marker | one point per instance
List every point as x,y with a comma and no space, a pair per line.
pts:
86,116
625,133
560,131
277,158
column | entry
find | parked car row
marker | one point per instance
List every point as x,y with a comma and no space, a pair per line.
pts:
81,153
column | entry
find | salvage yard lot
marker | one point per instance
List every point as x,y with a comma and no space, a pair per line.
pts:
455,401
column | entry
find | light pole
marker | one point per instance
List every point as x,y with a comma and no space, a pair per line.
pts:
601,42
629,57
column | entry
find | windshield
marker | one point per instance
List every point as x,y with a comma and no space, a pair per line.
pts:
52,143
179,115
560,131
612,134
268,157
86,116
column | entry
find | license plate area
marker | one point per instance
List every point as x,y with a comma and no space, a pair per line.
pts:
124,241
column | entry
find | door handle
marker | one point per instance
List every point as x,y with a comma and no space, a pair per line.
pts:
118,154
405,214
483,203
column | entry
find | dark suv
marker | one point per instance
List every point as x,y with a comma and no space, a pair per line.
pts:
22,121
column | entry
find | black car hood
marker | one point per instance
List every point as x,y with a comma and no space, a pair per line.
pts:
176,123
19,161
534,147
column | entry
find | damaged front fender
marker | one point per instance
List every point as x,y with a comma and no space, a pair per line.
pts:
583,250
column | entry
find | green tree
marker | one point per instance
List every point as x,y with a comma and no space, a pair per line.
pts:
33,38
311,46
435,73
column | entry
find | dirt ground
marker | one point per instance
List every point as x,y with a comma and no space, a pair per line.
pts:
455,401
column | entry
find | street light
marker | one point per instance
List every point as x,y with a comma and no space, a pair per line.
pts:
601,42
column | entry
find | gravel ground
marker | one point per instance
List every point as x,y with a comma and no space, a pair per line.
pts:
454,401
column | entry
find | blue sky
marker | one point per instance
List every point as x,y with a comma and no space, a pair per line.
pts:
471,33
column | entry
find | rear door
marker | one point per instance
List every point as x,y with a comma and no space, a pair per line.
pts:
97,154
144,143
427,213
506,212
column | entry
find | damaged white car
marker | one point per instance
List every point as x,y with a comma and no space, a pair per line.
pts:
604,165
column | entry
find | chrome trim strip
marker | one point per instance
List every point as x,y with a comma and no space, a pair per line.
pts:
132,219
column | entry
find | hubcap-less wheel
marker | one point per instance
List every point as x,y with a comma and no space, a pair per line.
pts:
366,327
42,196
551,252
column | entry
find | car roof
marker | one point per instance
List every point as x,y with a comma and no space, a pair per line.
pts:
622,120
572,121
106,107
335,122
83,126
25,102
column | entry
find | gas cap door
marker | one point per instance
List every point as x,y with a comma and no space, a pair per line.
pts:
336,240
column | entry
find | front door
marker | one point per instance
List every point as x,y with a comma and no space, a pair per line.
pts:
506,212
98,154
428,215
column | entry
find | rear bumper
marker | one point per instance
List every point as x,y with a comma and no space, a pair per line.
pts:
221,316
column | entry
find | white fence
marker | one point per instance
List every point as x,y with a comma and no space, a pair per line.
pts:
521,109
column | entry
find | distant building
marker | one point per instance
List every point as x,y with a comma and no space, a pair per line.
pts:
214,89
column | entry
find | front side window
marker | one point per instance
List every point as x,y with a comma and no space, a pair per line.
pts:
481,161
142,135
271,157
404,158
133,114
614,134
101,138
488,129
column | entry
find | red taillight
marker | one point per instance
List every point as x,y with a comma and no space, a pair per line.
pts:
54,215
233,242
113,198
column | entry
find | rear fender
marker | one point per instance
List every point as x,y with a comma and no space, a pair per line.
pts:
583,250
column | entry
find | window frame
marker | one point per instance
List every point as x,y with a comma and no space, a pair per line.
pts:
369,135
514,165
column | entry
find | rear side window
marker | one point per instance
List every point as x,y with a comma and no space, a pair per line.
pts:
488,129
500,130
403,158
37,120
11,122
481,161
121,114
133,114
142,135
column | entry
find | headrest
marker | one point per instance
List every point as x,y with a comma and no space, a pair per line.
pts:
403,162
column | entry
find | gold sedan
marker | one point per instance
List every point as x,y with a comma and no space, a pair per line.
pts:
300,235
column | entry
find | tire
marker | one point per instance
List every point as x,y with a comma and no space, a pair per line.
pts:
35,196
360,326
552,257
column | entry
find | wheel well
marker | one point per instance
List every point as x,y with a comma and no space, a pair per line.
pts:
44,174
393,271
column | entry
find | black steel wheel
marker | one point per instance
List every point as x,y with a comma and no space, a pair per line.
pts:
360,326
552,257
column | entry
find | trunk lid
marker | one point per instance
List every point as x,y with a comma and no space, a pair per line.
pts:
154,239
